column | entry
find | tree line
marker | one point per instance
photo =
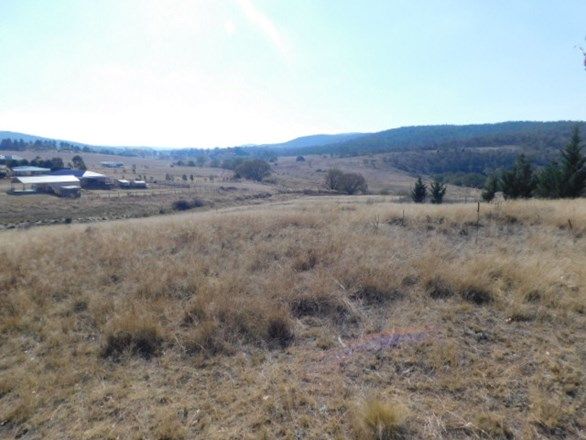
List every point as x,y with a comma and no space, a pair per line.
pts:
565,178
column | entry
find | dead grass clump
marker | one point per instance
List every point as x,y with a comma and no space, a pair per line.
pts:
476,294
134,334
279,331
319,305
169,427
305,261
379,420
206,338
548,412
438,288
492,426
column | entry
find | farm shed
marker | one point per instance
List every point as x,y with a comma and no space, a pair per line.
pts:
64,186
110,164
29,171
88,179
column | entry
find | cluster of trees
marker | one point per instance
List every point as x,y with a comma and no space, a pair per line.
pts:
462,166
437,191
563,179
349,183
200,161
55,163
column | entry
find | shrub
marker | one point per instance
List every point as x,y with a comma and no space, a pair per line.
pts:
184,205
377,420
256,169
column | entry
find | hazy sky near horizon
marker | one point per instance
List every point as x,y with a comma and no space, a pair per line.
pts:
206,73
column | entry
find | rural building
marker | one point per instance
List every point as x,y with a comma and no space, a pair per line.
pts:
63,186
140,184
6,157
110,164
88,179
29,171
137,184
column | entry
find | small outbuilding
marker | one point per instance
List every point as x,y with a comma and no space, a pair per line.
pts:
111,164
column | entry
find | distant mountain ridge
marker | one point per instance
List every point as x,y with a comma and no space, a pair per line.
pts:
532,134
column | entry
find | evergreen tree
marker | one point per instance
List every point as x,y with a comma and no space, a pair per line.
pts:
519,181
549,181
491,186
419,191
437,190
573,168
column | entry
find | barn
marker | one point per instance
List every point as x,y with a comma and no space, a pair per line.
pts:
63,186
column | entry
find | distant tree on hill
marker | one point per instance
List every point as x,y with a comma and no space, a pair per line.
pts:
201,160
300,159
491,186
255,169
573,168
78,162
520,181
437,191
419,191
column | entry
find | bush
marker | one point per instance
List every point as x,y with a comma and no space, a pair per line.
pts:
256,169
184,205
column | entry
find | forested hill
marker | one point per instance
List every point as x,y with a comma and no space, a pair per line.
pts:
534,135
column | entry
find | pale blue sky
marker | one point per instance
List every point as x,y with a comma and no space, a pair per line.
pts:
216,73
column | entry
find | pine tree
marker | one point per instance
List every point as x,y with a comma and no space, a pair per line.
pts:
437,191
491,186
549,181
573,168
419,191
519,181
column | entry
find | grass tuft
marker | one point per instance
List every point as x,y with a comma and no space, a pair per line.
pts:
379,420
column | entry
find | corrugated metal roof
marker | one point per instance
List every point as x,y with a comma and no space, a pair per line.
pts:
30,169
32,180
92,174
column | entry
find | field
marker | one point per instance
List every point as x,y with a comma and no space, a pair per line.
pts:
317,317
214,186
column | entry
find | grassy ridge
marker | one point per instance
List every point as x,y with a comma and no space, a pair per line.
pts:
231,324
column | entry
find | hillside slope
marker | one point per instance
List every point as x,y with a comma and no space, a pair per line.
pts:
522,133
322,318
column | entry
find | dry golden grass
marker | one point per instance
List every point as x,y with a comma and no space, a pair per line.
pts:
271,321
